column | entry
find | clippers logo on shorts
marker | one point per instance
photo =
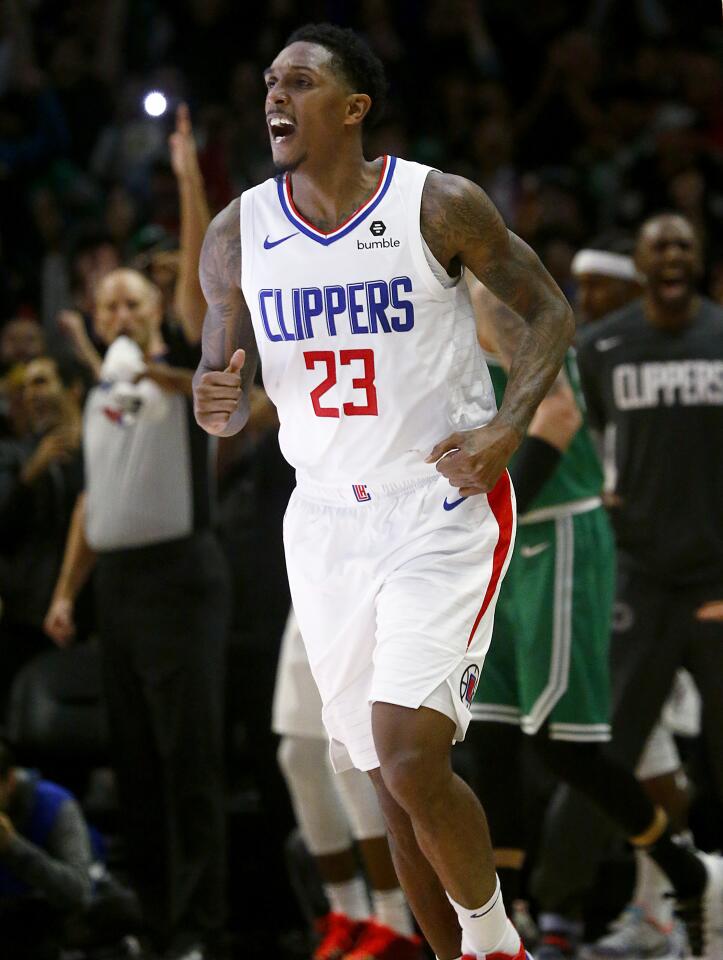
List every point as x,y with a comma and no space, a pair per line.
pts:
468,684
361,492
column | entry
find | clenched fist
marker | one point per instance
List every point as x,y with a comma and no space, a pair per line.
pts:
59,623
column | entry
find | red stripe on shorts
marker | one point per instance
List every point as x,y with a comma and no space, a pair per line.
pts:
500,501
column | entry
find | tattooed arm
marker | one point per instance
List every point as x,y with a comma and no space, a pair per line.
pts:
223,380
462,227
500,331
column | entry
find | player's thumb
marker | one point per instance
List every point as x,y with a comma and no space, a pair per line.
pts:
445,446
236,362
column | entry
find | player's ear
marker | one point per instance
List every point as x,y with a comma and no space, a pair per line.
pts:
358,106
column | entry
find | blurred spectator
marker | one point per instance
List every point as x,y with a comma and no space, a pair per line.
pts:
566,108
121,217
162,593
38,490
606,281
45,861
94,254
55,888
21,340
13,415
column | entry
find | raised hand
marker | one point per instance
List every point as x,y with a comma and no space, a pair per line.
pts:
184,156
57,446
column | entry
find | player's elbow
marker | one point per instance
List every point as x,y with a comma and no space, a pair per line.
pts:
567,322
571,422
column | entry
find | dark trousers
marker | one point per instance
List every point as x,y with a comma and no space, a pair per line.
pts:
163,615
654,633
30,929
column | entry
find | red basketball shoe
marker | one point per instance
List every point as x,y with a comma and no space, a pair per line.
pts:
376,942
521,954
338,935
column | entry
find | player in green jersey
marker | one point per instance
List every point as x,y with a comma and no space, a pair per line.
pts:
547,671
549,661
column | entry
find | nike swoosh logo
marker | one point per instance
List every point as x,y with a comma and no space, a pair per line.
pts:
450,506
608,343
533,551
268,244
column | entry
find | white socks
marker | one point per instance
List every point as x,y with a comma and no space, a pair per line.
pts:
349,898
391,910
651,889
486,929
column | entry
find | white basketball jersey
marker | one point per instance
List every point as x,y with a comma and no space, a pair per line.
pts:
368,358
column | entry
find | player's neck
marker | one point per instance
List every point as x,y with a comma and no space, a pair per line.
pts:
330,191
673,317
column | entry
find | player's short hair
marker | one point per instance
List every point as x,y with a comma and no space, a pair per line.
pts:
353,59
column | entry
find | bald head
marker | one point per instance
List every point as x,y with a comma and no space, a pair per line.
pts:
127,303
667,254
663,224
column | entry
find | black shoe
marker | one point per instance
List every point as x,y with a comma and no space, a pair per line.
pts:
702,916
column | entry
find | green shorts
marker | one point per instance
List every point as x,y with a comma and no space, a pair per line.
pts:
548,662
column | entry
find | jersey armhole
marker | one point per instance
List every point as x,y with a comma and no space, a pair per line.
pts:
413,201
246,237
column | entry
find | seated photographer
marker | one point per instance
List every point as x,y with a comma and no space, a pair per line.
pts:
45,860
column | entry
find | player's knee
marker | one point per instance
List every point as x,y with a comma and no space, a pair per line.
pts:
398,824
412,776
300,757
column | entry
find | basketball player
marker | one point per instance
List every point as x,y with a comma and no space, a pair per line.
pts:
331,811
654,370
343,276
606,281
547,671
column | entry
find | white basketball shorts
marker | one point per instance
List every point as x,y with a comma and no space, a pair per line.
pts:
394,589
296,710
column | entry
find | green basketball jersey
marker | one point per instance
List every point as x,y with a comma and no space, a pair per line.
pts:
579,474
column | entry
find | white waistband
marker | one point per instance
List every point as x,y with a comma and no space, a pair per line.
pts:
360,494
570,509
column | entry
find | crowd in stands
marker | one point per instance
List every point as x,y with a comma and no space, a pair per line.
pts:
579,119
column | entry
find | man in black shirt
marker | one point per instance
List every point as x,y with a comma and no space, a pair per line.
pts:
653,372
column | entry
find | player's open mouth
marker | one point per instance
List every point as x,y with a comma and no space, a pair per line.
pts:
673,283
281,128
